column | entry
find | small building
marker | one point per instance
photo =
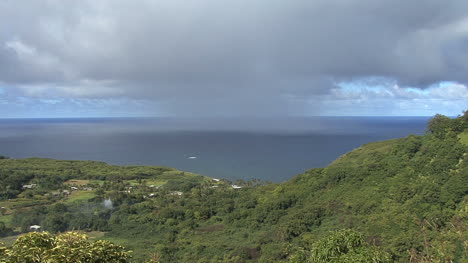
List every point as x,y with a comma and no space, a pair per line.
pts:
29,186
236,186
35,228
176,193
65,192
216,179
73,188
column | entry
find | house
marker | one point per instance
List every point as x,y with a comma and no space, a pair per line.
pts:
29,186
216,179
176,193
234,186
74,188
65,192
35,228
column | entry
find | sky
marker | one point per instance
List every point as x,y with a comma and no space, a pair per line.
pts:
241,58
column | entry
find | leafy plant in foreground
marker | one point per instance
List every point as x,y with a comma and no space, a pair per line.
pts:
64,248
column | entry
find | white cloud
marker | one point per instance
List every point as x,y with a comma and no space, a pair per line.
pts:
453,91
83,89
29,54
22,50
357,99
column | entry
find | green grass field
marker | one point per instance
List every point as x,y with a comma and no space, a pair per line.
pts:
148,182
22,203
98,182
77,182
95,234
77,196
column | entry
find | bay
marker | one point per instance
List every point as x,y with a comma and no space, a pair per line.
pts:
270,149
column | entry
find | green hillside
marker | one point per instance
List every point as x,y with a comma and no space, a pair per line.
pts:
391,201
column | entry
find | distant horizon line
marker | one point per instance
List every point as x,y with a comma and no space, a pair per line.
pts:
226,117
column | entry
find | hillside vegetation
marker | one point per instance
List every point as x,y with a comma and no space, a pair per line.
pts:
401,200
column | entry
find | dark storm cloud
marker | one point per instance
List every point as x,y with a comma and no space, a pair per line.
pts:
232,56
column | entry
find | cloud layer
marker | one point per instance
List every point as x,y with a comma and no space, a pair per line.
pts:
231,57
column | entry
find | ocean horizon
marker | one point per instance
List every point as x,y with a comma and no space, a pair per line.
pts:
270,149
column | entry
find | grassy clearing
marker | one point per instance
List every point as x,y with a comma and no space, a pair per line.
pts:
5,203
22,202
77,196
8,203
148,182
92,235
98,182
177,173
77,182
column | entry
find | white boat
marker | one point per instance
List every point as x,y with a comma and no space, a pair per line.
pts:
192,157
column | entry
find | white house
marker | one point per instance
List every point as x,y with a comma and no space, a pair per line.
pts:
35,227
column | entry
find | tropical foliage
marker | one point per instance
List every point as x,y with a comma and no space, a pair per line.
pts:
401,200
70,247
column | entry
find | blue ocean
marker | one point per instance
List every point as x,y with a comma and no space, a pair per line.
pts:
272,149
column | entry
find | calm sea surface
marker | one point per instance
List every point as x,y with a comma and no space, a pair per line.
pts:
267,149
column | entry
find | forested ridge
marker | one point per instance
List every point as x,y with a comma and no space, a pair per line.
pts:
401,200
